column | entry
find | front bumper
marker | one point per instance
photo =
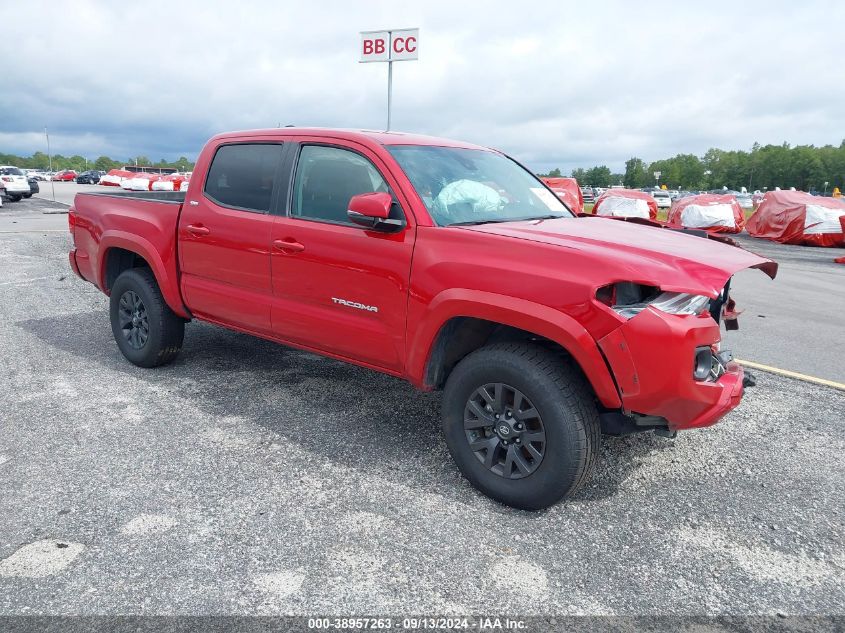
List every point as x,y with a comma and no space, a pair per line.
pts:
652,358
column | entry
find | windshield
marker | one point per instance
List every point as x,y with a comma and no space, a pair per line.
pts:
473,186
11,171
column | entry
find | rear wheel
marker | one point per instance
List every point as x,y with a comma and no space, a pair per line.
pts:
14,198
521,424
148,333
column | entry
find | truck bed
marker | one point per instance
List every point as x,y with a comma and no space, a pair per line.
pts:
157,196
109,225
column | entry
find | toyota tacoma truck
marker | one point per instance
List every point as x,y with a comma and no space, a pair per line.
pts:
440,262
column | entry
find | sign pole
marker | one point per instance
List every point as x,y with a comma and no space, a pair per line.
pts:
389,92
389,45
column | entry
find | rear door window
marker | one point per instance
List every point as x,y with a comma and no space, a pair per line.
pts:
242,176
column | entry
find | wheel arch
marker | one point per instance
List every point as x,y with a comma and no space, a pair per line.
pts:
120,251
461,321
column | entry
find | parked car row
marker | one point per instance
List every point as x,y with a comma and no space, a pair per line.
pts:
88,177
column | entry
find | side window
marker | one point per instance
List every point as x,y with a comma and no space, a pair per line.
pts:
327,177
242,176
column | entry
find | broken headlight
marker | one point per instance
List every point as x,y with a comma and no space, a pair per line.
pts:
629,299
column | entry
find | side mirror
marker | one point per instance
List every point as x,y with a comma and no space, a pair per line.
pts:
372,210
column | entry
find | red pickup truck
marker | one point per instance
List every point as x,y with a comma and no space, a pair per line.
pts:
444,263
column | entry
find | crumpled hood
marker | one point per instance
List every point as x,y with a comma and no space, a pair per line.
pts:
674,261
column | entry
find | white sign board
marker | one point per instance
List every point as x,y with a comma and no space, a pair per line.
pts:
389,46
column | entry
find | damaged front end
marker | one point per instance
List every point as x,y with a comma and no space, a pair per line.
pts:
667,357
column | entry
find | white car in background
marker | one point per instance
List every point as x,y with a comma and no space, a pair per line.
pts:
15,182
663,199
745,200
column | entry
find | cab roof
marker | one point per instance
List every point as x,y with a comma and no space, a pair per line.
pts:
366,137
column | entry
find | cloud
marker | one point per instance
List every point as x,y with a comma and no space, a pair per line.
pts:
554,84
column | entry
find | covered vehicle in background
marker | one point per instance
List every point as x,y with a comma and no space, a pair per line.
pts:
708,211
568,191
171,182
626,203
142,181
796,217
841,260
115,177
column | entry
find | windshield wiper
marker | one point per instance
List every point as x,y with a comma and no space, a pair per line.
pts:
500,220
546,217
491,221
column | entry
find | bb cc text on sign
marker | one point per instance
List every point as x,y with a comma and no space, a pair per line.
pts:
389,46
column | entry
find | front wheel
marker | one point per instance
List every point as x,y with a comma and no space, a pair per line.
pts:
148,333
521,423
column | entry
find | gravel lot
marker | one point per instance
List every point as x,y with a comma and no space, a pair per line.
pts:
247,478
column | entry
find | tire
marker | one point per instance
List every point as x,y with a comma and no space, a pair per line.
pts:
566,418
27,195
153,334
14,198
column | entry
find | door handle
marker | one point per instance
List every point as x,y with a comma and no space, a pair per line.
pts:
289,245
198,229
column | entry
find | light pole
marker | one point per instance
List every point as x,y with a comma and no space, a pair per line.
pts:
657,178
50,163
826,183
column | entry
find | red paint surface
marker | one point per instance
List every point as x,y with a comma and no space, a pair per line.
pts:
286,278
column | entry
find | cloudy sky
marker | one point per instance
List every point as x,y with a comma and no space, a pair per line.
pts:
553,83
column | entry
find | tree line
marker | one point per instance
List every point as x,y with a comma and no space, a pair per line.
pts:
805,167
40,160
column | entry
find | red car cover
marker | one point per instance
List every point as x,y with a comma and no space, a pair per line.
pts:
568,191
711,212
171,182
618,203
841,260
115,176
796,217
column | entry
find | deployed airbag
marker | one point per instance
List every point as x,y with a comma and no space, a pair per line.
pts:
479,197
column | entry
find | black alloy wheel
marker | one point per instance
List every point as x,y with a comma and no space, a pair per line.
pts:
134,321
521,423
147,332
504,430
